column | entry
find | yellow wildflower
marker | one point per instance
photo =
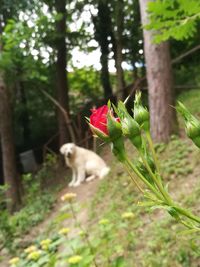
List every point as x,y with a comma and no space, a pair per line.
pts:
14,261
82,233
75,259
127,215
45,244
64,231
104,222
34,255
68,197
30,249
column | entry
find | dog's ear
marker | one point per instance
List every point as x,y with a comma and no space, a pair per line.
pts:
62,149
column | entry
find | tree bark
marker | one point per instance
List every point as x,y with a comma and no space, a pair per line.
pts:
8,148
102,24
24,116
160,83
119,46
105,77
61,70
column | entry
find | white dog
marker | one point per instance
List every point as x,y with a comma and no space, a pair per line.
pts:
84,163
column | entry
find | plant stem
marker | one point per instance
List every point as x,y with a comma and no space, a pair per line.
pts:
72,248
130,164
157,182
86,234
187,214
133,178
151,146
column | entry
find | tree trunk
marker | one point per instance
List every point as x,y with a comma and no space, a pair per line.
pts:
8,149
122,94
24,116
105,78
160,83
102,24
61,70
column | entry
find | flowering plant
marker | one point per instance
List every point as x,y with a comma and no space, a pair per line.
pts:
146,173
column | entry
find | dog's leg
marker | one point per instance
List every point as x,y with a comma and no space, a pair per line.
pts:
80,177
73,178
90,178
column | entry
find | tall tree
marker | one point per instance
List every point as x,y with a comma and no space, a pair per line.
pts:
6,129
119,18
61,69
8,148
102,24
160,83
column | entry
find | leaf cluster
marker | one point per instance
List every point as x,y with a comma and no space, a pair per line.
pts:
173,19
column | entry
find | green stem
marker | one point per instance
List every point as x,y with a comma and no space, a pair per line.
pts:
157,182
151,146
133,178
86,234
72,248
150,186
187,214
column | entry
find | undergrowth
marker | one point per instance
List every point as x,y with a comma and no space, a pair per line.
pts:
36,204
155,239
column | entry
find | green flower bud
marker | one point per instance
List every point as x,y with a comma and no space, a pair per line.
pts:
116,137
192,125
114,127
141,114
131,129
197,141
183,111
192,128
118,149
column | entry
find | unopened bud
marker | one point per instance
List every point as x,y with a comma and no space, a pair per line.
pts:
114,127
192,128
116,137
141,114
118,149
131,129
192,125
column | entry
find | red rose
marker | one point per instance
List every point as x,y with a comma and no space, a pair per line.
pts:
98,118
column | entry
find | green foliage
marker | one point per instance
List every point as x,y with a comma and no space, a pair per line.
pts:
82,247
177,164
37,202
177,19
191,100
6,230
85,87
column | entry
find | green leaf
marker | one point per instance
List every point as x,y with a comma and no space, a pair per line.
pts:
119,262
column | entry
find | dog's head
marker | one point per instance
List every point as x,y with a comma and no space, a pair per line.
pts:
68,150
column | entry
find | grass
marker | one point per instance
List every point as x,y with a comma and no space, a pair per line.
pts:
153,237
191,99
37,202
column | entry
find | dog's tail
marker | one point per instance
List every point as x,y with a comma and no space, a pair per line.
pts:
104,172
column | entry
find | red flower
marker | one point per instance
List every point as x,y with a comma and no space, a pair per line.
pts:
98,118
